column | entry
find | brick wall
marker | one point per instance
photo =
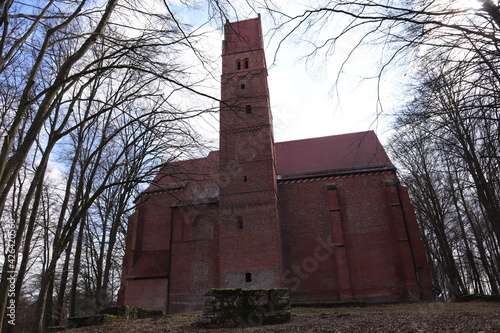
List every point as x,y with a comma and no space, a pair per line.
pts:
342,239
225,220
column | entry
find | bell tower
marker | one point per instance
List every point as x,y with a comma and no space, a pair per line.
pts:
249,234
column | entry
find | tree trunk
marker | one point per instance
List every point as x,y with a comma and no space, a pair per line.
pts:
61,295
76,270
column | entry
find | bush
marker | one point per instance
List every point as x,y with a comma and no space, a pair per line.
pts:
75,322
131,312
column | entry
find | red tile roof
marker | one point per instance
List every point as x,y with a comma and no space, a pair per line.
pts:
331,154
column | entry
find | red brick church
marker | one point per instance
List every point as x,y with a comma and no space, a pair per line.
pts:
325,217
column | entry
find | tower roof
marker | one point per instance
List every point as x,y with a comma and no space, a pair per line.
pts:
242,36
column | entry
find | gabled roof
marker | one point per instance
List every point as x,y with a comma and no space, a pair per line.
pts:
331,155
353,152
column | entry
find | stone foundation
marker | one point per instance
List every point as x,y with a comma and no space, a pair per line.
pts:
246,307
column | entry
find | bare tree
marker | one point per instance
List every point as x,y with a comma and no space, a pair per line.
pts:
455,112
95,90
414,152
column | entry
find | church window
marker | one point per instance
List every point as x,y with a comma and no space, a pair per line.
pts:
248,277
245,178
242,86
246,63
248,109
239,222
238,65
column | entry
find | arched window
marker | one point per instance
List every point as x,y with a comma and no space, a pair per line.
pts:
242,86
238,65
246,63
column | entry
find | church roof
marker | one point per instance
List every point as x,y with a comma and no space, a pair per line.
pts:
353,152
331,155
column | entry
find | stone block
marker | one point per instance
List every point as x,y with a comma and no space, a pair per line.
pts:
246,307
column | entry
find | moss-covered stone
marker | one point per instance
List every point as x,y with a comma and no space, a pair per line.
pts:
143,313
348,304
112,315
131,312
246,307
75,322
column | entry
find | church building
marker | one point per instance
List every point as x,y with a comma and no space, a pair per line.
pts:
324,217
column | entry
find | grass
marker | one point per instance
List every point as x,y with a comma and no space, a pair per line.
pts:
408,317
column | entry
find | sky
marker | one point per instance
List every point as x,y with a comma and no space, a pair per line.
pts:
306,103
304,99
307,98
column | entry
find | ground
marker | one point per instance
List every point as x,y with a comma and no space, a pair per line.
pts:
416,317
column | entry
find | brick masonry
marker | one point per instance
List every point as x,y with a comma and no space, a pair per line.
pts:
324,217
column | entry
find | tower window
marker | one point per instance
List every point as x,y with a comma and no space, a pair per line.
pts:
242,86
239,222
245,178
248,277
246,63
248,109
238,65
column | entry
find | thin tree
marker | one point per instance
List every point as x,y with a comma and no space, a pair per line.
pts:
91,75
